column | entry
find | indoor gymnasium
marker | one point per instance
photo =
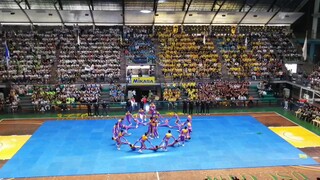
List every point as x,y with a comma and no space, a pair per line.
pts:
159,89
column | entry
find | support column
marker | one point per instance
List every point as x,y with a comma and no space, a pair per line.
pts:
300,95
313,96
315,19
311,52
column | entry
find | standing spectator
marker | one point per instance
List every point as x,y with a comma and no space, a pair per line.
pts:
250,103
134,93
89,108
208,106
184,106
96,109
140,73
150,95
286,104
128,105
133,103
190,107
198,106
129,76
290,104
105,108
143,102
202,106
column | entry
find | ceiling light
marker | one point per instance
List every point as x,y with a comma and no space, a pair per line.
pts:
145,11
161,1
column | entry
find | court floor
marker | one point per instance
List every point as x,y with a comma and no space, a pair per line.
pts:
68,148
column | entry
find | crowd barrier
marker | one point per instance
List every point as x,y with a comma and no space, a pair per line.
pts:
121,107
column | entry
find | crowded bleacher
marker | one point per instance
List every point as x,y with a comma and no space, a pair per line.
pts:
314,79
139,46
90,55
189,55
61,96
251,52
32,54
74,54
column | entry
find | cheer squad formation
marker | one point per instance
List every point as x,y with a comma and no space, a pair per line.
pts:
153,120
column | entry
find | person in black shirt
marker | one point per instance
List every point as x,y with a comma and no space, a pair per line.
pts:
96,109
202,106
190,107
208,106
129,107
140,73
185,106
197,106
105,108
89,109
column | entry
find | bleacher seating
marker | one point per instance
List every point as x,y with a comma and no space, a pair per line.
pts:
314,79
251,53
215,91
46,97
95,59
32,54
139,46
186,56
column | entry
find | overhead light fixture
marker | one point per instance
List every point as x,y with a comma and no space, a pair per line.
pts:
161,1
146,11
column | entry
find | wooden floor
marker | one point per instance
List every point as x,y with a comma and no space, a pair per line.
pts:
28,127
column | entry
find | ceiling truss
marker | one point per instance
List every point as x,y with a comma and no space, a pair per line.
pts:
126,12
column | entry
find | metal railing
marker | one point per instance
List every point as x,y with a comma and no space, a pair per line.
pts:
114,108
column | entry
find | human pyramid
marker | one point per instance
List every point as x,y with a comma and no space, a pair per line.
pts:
120,130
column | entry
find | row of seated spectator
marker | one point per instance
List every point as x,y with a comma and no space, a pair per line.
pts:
59,96
249,55
32,54
196,29
221,29
90,55
309,113
138,43
13,100
117,93
187,56
314,79
279,37
215,91
171,93
247,51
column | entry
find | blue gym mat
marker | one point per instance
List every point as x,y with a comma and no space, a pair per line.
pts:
62,148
